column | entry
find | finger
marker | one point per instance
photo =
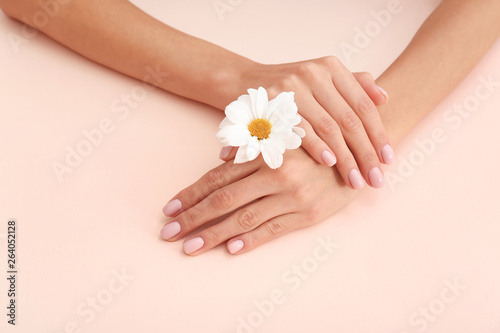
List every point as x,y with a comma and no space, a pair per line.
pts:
356,137
271,229
366,111
228,153
315,146
329,131
244,220
219,203
378,95
213,180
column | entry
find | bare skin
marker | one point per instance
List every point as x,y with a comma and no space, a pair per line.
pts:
440,55
302,192
337,106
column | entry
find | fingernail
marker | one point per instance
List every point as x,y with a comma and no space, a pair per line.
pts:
328,158
376,178
172,207
235,246
388,154
170,230
224,152
355,179
193,244
384,93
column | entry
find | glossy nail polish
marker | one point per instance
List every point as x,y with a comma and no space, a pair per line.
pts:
356,179
235,246
328,158
388,154
170,230
383,93
376,177
194,244
172,207
224,152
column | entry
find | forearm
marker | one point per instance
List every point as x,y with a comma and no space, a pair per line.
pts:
446,47
117,34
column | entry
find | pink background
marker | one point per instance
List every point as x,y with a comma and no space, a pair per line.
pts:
398,249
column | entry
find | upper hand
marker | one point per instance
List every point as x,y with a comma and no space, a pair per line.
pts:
339,115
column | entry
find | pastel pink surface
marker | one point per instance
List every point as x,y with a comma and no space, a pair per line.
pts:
96,233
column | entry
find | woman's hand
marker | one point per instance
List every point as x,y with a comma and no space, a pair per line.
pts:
341,121
266,203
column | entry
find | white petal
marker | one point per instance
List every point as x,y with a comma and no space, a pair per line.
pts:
241,155
282,106
233,135
281,125
245,99
283,98
239,113
253,148
294,119
292,141
260,102
225,122
277,141
271,155
299,131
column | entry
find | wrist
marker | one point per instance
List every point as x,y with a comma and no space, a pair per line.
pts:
227,84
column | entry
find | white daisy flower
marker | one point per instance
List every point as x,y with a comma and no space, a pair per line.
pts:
257,125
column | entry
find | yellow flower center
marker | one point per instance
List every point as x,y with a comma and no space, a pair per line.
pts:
260,128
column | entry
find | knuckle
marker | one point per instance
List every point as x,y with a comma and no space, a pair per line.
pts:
285,175
216,178
188,220
247,219
210,237
327,127
331,61
274,227
365,76
222,199
307,69
289,81
302,194
366,106
350,121
369,158
314,213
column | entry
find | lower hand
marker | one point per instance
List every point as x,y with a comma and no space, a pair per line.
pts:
266,203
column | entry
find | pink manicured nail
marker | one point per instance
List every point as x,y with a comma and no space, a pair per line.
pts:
356,179
376,178
384,93
172,207
388,154
170,230
235,246
224,152
193,244
328,158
